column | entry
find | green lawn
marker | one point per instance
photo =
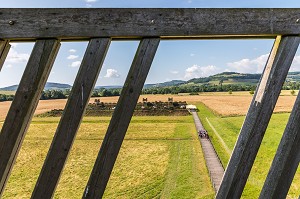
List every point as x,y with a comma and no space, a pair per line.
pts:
228,128
160,157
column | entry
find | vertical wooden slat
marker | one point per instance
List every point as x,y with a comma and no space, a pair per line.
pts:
258,117
71,118
121,118
4,49
24,104
286,160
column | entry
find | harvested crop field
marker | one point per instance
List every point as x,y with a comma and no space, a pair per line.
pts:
238,105
221,103
43,106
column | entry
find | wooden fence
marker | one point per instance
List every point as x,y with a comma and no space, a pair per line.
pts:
48,27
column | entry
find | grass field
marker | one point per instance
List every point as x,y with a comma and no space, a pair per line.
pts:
228,129
160,158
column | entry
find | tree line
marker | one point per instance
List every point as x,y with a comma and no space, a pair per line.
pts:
193,89
198,88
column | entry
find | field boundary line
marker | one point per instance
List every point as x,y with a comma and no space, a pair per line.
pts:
220,138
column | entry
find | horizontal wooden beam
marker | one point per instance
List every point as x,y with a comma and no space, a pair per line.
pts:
81,23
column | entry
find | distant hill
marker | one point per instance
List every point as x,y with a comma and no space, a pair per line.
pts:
170,83
57,86
164,84
10,88
239,78
293,76
108,87
221,78
48,86
227,78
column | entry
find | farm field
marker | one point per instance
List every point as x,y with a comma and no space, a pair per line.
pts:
7,92
223,133
160,158
221,103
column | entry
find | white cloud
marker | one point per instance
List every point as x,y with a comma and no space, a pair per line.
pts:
13,44
112,73
196,71
72,57
89,3
249,65
75,64
14,57
296,64
192,54
72,51
174,72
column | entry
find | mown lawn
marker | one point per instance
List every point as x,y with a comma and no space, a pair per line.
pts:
228,128
160,157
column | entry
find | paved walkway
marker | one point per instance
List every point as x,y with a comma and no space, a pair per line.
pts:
214,166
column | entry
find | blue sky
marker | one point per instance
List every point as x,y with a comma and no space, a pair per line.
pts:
174,59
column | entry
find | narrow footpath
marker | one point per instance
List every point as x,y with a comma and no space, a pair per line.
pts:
214,166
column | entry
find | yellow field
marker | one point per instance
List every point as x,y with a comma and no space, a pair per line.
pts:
160,158
8,92
222,103
44,106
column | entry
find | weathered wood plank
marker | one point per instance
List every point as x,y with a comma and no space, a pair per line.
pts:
258,117
4,49
154,22
121,118
71,118
286,160
24,104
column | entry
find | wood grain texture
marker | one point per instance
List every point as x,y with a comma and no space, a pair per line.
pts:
286,160
121,118
4,49
64,23
71,118
24,104
258,118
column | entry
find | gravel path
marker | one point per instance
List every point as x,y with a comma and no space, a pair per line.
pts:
214,166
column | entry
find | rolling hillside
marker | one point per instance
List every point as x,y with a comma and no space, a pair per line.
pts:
48,86
224,78
227,78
